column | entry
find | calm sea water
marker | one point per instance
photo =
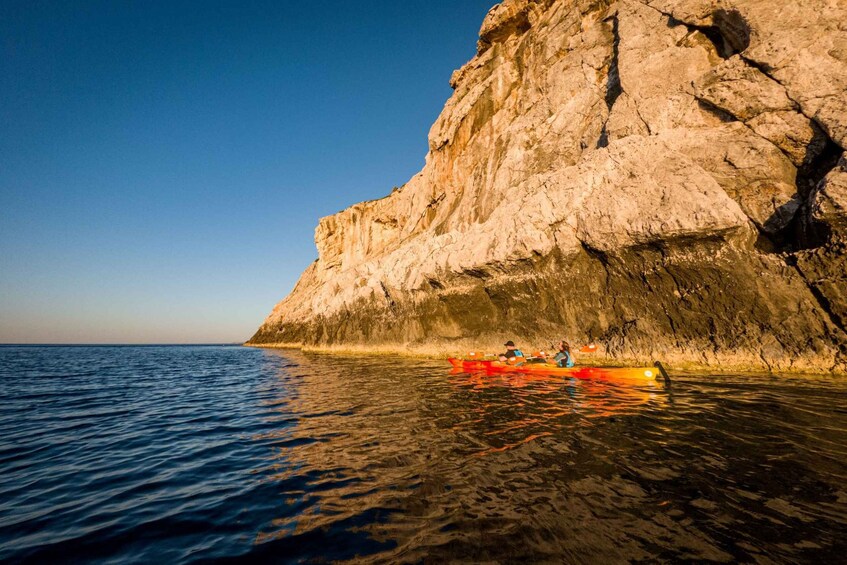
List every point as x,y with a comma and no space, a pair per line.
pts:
195,454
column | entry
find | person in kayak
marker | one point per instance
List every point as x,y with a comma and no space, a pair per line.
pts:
511,351
563,357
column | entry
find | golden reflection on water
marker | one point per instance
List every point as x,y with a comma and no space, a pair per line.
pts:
403,461
402,450
307,458
590,398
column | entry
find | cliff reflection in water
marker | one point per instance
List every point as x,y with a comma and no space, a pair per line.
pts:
401,460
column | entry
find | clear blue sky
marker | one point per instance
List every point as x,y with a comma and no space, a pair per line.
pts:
163,164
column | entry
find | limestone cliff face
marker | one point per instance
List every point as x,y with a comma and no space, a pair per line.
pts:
662,177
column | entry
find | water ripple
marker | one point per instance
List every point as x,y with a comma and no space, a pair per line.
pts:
195,454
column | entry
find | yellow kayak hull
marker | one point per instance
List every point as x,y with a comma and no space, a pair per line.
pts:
549,369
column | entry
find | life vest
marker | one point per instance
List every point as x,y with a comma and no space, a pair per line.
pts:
566,360
516,358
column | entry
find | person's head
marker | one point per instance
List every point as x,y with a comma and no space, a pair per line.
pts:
510,345
564,346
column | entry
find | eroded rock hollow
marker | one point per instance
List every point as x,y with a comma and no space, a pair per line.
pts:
665,178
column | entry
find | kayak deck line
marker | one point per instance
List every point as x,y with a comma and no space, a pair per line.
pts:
655,372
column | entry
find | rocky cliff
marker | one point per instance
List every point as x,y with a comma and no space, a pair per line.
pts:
665,178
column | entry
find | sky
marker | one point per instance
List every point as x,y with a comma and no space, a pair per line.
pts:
163,164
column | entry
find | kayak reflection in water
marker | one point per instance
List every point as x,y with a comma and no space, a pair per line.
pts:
513,354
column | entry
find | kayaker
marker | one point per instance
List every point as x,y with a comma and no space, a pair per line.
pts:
563,357
511,351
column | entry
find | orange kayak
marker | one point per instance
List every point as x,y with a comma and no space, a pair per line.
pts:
600,373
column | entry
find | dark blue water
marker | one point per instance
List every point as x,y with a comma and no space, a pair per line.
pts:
195,454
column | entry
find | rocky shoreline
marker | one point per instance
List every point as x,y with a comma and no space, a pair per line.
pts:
663,178
675,364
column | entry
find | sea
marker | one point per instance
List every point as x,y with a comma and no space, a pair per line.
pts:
206,454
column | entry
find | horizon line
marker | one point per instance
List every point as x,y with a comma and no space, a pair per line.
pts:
96,344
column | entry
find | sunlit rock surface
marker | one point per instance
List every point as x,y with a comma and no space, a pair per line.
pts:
663,178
